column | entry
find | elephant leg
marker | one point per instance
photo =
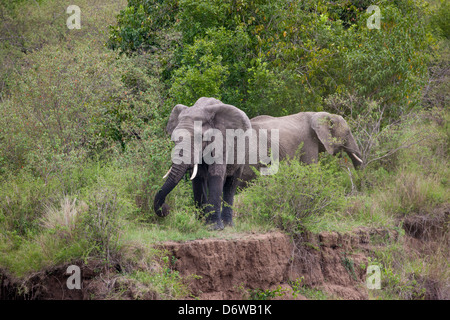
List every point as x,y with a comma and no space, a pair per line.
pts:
310,152
229,189
213,206
199,186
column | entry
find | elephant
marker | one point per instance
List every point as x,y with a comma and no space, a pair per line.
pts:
314,131
214,183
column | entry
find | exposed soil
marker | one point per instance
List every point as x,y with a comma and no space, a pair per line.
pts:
427,235
98,281
225,269
433,226
333,262
228,269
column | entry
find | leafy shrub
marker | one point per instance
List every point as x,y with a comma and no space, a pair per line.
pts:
399,54
28,27
258,56
268,294
295,197
102,223
63,114
201,74
22,203
440,19
139,23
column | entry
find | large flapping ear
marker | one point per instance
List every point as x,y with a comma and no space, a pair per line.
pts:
321,123
228,116
173,119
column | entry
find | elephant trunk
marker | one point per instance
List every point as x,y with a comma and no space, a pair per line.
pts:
184,151
175,175
353,152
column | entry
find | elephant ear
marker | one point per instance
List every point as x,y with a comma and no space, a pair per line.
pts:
173,119
228,117
321,123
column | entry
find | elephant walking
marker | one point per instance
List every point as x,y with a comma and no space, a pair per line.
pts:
314,131
214,179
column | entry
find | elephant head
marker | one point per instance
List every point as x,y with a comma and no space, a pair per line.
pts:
313,132
334,135
187,126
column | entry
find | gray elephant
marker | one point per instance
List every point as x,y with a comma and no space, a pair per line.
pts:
213,182
315,131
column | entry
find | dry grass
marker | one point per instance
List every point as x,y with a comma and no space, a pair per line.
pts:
63,218
411,193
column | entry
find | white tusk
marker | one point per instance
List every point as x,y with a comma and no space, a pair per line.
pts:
165,176
195,171
357,158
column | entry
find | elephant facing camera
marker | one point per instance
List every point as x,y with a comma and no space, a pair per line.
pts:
214,182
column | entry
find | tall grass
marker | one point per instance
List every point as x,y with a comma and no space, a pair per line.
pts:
63,219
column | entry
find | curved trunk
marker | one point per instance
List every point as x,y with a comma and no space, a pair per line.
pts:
176,173
353,152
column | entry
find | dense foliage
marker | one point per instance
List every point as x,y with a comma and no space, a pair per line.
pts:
282,57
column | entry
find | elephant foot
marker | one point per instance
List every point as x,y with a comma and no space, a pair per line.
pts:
228,223
214,221
218,225
227,218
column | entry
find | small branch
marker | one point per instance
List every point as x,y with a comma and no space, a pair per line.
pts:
391,152
351,179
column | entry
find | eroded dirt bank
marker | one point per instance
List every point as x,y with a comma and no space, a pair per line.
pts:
227,269
230,268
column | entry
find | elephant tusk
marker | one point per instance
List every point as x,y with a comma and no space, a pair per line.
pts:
165,176
357,158
195,171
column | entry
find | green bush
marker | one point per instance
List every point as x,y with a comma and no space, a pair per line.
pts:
22,202
139,24
296,197
201,74
59,108
399,55
440,19
102,223
258,56
30,26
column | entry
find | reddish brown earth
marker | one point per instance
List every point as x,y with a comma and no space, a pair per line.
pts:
332,262
228,268
266,261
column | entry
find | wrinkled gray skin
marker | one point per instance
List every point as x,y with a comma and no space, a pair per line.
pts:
318,131
214,184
